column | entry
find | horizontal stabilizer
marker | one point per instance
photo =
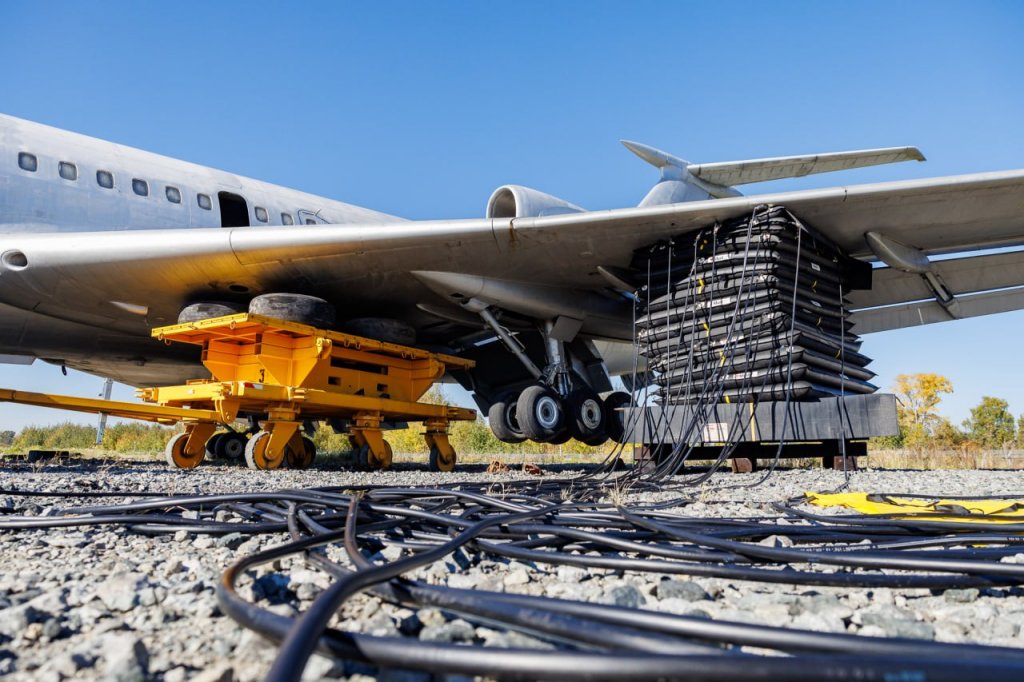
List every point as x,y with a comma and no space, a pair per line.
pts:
730,173
929,312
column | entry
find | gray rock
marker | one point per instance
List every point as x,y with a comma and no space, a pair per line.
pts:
15,620
126,658
120,592
680,589
623,595
456,631
231,540
899,627
964,596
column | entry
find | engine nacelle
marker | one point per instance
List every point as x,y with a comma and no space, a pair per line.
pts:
514,201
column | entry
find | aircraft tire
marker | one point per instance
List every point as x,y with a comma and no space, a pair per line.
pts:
382,329
614,420
231,445
502,418
540,413
204,310
586,415
213,444
316,312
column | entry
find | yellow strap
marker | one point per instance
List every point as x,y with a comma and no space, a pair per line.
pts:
727,401
959,511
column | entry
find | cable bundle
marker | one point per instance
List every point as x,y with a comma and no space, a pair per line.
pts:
750,309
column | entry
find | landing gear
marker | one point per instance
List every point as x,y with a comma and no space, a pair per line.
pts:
310,310
541,413
615,420
503,420
586,416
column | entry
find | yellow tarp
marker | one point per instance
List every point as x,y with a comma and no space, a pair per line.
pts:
1004,510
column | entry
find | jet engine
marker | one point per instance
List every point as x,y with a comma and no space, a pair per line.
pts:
515,201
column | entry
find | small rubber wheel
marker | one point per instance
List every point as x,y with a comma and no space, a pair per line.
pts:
615,419
213,444
301,460
502,418
256,456
382,329
300,308
439,462
586,414
540,413
367,461
176,456
232,445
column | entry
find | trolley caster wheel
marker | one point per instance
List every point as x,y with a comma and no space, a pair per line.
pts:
316,312
231,445
367,461
439,462
301,460
502,418
176,455
615,420
586,416
540,413
256,456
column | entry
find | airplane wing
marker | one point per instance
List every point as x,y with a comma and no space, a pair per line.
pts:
135,279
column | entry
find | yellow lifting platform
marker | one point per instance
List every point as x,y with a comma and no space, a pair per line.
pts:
286,373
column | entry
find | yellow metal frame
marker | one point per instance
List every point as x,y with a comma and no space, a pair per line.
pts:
289,372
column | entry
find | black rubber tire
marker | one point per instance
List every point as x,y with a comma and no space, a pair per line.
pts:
541,413
304,459
586,416
502,419
614,421
300,308
212,445
204,310
561,437
382,329
232,446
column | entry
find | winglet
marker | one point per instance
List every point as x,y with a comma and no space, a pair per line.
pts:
655,157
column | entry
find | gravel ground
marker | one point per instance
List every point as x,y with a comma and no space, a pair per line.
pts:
108,604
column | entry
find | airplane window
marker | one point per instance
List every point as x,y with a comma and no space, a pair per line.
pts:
173,195
204,201
310,221
27,162
261,214
140,187
68,171
104,179
286,219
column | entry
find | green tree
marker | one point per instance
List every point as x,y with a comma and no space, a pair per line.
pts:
919,396
990,425
6,438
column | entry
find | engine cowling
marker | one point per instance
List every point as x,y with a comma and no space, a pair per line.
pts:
515,201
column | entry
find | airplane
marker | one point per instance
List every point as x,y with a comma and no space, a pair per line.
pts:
100,242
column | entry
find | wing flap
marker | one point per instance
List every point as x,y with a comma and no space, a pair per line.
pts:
930,312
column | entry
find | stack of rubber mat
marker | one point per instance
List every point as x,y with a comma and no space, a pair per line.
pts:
750,309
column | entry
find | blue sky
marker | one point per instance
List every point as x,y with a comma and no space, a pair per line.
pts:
422,109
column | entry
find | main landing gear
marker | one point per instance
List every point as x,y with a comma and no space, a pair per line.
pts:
561,405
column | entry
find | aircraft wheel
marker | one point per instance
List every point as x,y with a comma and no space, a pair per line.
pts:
213,444
561,437
439,462
256,456
615,421
300,308
232,445
541,413
176,455
304,459
586,415
204,310
502,418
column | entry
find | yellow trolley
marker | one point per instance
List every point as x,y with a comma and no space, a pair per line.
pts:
286,373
